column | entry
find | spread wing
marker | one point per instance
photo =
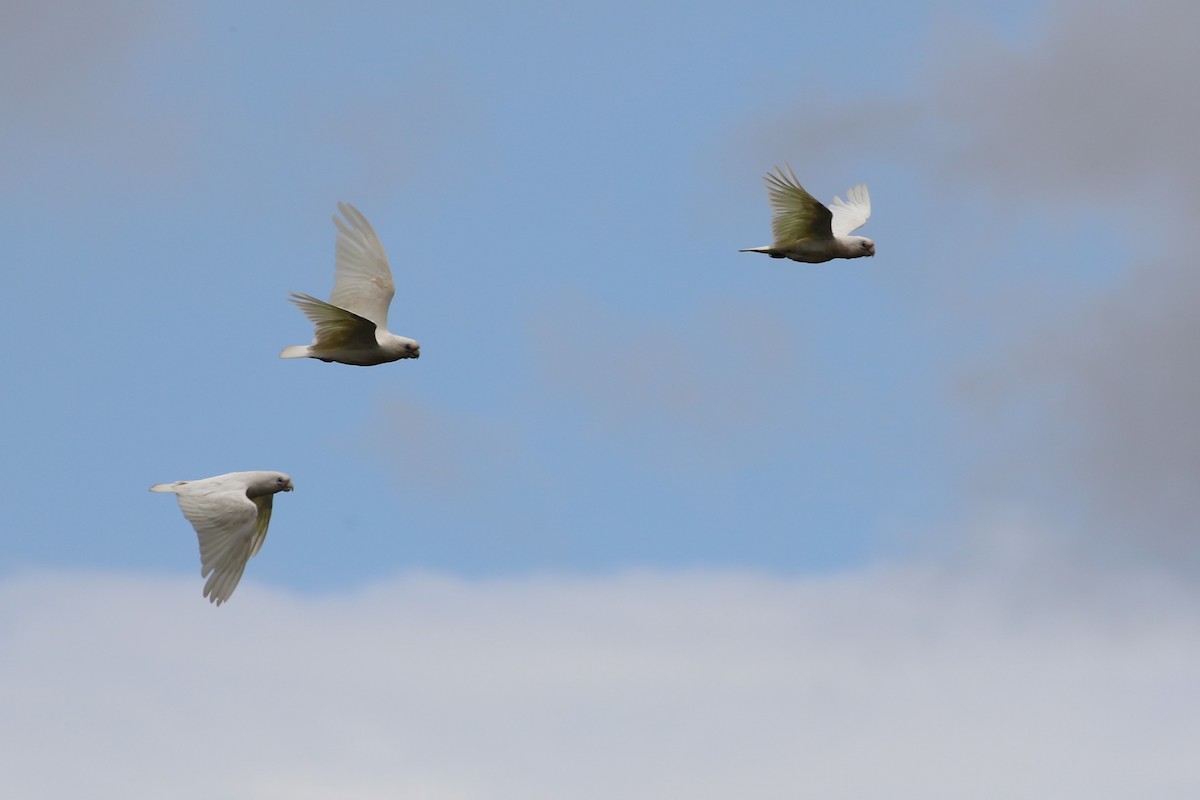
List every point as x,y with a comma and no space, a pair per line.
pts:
798,215
231,528
852,213
362,281
335,327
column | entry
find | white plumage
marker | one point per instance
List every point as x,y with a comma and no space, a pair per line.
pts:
352,327
852,213
230,513
805,230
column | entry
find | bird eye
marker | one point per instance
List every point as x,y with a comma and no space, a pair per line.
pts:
279,481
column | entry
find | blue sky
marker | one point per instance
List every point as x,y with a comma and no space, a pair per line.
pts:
627,449
606,381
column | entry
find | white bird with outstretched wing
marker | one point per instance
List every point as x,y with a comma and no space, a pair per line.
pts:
230,513
806,230
352,327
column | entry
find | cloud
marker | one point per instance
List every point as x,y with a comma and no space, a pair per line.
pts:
1088,403
1098,107
1098,406
1077,140
818,127
75,99
434,448
903,682
708,389
42,59
1089,110
401,129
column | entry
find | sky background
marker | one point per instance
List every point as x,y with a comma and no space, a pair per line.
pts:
650,517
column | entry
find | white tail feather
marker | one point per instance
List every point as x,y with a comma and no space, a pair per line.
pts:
295,351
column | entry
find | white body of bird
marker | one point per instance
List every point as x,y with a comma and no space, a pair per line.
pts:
230,513
806,230
352,327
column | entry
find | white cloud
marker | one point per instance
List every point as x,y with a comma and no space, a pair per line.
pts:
899,682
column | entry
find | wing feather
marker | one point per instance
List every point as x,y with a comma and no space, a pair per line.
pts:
264,503
852,213
798,215
362,280
336,328
231,528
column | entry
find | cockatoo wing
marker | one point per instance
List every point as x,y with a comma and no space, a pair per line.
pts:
231,528
852,213
336,327
798,215
362,281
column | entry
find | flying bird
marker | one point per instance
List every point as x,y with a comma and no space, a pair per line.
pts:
230,514
352,327
805,230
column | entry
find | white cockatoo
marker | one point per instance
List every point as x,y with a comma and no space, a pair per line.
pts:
230,514
805,230
352,327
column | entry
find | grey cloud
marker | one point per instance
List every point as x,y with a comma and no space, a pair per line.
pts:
1102,406
52,50
434,448
74,99
1088,410
402,130
1080,402
710,389
820,126
1102,104
1099,106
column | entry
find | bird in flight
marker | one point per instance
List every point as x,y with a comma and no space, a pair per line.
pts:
352,327
230,513
805,230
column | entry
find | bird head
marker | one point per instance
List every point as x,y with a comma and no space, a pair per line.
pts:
867,247
265,483
397,347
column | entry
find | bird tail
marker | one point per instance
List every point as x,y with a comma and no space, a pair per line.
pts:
765,249
167,487
295,351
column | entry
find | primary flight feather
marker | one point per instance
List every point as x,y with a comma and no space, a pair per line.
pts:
805,230
352,327
230,514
